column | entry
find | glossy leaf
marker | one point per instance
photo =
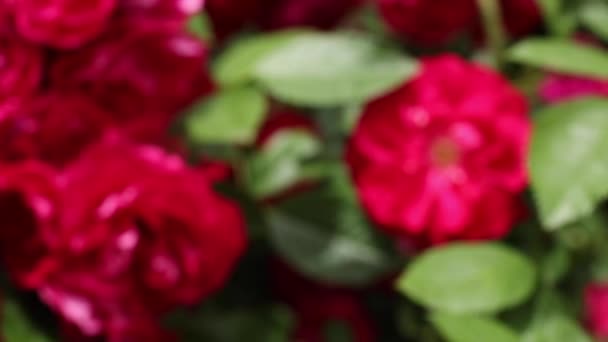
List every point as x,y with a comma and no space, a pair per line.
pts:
232,116
236,65
332,70
469,278
561,55
568,164
462,328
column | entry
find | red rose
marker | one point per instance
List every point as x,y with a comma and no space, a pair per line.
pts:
443,157
427,22
596,309
229,16
142,74
62,23
436,22
53,127
316,13
139,232
29,205
20,72
283,120
316,306
164,10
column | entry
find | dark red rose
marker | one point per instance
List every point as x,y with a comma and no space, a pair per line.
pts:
136,231
62,23
316,306
20,72
143,74
53,127
322,14
282,120
230,16
443,157
29,206
596,309
521,16
428,22
436,22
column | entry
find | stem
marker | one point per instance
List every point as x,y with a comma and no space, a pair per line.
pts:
496,36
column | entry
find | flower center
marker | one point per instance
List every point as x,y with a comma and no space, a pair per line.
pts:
444,152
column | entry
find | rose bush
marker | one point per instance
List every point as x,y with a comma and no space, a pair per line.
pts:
303,170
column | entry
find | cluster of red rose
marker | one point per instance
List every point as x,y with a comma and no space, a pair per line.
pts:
112,231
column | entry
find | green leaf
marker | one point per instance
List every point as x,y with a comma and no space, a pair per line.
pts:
325,236
230,117
472,329
594,15
236,65
280,164
469,278
556,328
560,16
336,69
562,55
568,161
16,326
199,26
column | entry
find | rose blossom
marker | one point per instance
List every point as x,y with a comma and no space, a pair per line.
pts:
53,127
316,306
596,309
20,72
558,87
136,231
436,22
142,74
443,157
62,23
230,16
160,11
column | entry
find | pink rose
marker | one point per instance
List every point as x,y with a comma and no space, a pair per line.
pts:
443,157
133,231
62,23
596,309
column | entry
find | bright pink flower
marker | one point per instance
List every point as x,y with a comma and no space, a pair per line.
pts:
443,157
556,88
62,23
596,309
133,231
436,22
